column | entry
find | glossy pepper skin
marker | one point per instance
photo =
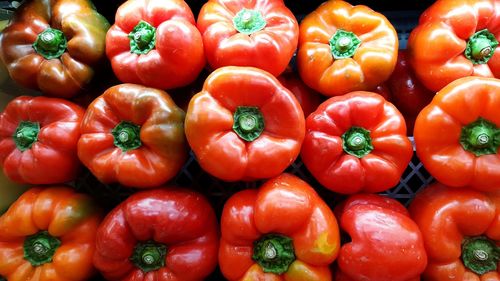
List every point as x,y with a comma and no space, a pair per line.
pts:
54,46
455,39
457,135
258,33
356,142
38,140
386,243
345,48
49,234
461,231
162,234
133,135
281,231
308,98
244,125
407,93
155,43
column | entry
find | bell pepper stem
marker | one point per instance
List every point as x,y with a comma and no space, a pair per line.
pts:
344,44
357,142
50,43
149,256
40,248
142,38
274,253
26,135
249,21
480,255
480,137
481,47
127,136
248,122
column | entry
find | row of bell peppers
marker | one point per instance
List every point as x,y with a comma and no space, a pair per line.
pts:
281,231
56,46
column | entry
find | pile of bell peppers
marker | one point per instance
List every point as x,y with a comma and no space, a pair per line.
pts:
242,90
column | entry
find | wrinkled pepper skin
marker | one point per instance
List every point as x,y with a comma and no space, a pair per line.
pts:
49,234
38,140
386,243
244,125
407,93
155,43
442,47
345,48
178,224
284,206
356,142
266,40
457,135
64,66
449,219
308,98
133,135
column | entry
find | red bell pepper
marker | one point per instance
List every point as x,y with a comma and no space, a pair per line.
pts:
133,135
54,46
345,48
461,230
281,231
38,140
356,142
386,243
155,43
308,98
259,33
244,125
457,136
161,234
49,234
455,39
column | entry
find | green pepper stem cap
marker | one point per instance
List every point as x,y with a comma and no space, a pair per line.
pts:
249,21
344,44
149,256
50,43
480,137
142,38
40,248
480,254
481,47
26,135
357,142
274,253
248,122
127,136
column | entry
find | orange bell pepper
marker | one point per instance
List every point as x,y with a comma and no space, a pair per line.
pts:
48,234
344,48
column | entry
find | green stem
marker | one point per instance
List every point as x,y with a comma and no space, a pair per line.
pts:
344,44
127,136
481,47
40,248
249,21
274,253
357,142
142,38
480,137
149,256
50,43
26,135
248,122
480,254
